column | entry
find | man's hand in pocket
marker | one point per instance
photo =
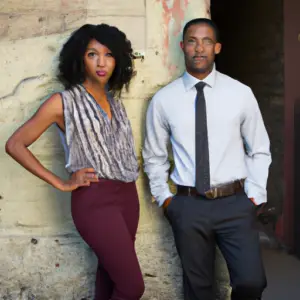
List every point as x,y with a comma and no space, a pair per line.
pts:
167,202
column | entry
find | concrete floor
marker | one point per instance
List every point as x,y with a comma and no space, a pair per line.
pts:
283,274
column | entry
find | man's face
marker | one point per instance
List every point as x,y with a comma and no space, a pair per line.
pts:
200,47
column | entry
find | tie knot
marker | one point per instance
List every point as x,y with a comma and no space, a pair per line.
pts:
200,85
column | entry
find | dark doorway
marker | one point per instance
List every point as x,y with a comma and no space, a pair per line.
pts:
291,214
252,38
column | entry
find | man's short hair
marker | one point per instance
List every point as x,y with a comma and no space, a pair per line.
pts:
205,21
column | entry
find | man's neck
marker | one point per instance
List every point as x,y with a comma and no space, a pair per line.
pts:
200,76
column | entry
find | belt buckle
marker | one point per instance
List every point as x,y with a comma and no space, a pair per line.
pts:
212,193
189,191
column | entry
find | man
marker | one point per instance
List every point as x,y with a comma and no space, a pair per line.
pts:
222,157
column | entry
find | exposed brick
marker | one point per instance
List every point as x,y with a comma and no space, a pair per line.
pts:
25,6
25,25
117,7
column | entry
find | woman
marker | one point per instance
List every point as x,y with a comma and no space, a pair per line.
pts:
95,64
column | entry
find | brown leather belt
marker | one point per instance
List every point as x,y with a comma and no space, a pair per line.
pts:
223,190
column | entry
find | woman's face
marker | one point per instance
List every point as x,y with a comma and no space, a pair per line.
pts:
99,63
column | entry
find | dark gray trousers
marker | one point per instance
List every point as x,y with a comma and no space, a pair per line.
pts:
198,224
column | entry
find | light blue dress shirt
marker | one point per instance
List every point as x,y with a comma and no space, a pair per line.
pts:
234,120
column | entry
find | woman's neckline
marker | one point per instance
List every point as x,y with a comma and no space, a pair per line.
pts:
109,99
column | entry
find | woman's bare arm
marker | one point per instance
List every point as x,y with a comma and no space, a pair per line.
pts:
51,111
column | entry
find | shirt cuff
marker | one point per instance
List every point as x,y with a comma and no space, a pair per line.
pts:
161,199
258,196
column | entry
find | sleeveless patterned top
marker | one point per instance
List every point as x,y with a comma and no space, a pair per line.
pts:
91,140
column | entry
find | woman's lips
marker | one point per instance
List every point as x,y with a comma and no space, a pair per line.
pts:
101,73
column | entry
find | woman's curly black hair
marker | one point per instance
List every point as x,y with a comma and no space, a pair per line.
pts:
71,70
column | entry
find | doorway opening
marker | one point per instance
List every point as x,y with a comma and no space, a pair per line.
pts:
252,36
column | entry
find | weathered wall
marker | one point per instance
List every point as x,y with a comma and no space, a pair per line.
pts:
41,254
252,35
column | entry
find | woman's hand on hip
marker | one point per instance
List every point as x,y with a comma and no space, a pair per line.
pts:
82,177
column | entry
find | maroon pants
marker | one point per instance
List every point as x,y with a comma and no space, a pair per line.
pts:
106,215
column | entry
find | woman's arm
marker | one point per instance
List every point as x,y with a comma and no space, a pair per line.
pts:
17,145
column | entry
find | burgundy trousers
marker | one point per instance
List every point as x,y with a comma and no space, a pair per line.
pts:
106,215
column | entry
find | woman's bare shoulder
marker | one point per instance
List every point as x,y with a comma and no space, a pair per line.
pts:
53,105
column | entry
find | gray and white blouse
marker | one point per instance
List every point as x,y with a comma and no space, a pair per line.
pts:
91,140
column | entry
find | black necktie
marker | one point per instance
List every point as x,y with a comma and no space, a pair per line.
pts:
202,154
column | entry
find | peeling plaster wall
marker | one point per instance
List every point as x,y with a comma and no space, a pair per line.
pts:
41,254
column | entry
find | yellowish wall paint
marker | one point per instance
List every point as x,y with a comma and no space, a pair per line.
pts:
31,34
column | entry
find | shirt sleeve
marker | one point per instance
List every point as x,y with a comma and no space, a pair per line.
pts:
155,152
257,144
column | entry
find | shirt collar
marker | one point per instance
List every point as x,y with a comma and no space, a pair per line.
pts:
190,81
